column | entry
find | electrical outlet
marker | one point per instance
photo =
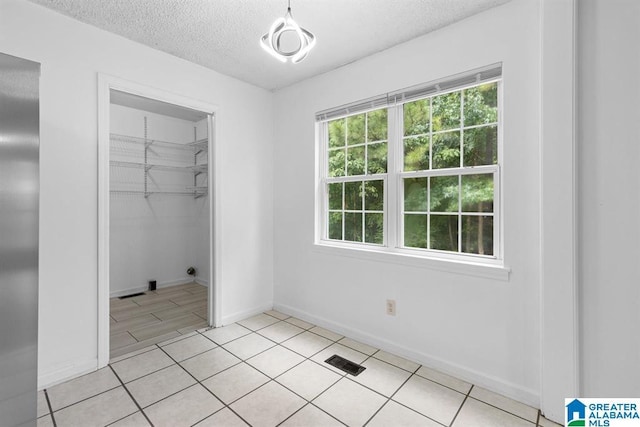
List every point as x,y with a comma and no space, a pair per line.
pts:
391,307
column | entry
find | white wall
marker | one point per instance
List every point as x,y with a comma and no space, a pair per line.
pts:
159,237
486,331
72,54
609,190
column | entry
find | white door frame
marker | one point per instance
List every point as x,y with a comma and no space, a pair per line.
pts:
105,84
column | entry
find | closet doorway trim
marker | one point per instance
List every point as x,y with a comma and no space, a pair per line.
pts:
106,83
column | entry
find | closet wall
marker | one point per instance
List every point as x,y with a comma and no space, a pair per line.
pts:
159,234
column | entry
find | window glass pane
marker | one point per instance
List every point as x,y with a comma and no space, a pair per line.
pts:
415,195
444,232
353,227
481,104
355,160
336,133
355,129
416,153
373,228
377,158
374,195
415,231
481,146
336,162
446,111
335,196
416,117
477,235
446,150
353,196
444,137
477,193
444,194
335,225
377,125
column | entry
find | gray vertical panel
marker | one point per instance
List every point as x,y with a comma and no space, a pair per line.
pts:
19,191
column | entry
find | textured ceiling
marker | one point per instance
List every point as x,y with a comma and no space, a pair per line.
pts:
223,34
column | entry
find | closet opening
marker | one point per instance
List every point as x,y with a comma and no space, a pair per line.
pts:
157,243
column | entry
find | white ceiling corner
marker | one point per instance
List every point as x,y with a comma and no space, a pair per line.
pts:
223,35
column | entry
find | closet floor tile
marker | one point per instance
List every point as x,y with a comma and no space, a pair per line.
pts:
156,316
164,327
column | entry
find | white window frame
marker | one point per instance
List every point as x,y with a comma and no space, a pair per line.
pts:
394,184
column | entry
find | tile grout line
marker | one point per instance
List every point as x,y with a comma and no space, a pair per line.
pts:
308,358
130,395
270,378
203,386
273,379
345,375
342,376
461,405
84,399
304,406
422,377
503,409
392,394
46,395
160,321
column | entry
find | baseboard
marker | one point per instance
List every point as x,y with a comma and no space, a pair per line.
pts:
497,385
241,315
159,285
65,372
202,282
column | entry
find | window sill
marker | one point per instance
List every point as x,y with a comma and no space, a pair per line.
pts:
487,271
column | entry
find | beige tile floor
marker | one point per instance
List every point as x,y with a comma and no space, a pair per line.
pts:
156,316
269,370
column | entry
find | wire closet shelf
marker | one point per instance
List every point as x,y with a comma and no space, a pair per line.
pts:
143,166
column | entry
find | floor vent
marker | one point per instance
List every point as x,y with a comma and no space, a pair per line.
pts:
132,295
346,365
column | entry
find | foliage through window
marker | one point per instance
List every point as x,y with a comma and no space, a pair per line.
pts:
449,199
357,147
439,194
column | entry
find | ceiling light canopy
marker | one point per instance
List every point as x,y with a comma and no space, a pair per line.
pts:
272,41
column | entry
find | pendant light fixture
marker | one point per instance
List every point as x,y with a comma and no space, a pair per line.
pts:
272,41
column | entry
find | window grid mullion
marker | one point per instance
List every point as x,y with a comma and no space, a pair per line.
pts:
459,213
461,128
395,116
343,210
430,134
366,171
362,209
323,134
366,144
460,176
346,148
470,170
